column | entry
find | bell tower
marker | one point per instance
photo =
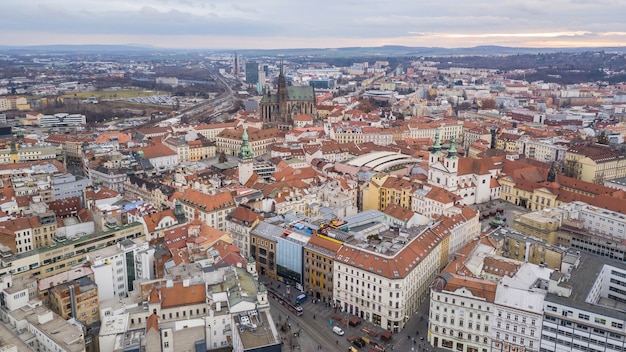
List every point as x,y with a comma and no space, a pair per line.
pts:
435,151
452,160
246,158
13,155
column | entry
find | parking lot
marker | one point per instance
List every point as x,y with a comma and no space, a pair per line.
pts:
489,210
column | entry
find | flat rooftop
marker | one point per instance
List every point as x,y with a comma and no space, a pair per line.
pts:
590,266
262,334
68,336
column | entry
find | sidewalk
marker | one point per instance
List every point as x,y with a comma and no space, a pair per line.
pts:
321,315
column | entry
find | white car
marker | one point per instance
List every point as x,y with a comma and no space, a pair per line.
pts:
337,330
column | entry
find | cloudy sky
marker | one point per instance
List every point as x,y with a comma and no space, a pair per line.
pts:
248,24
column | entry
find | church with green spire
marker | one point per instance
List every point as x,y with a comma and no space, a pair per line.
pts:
469,179
246,158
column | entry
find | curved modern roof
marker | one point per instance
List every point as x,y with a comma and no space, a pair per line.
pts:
381,161
364,159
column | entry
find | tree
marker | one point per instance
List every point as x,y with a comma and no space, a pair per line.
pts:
603,138
488,104
222,158
571,168
366,106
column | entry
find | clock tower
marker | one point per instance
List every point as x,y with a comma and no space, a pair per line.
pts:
246,158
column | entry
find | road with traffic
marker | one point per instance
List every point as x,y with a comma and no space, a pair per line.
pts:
314,328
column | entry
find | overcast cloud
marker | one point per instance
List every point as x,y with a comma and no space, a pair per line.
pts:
250,24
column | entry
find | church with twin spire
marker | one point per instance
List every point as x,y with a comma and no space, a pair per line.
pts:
473,180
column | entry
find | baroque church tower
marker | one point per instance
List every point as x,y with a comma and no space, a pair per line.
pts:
246,158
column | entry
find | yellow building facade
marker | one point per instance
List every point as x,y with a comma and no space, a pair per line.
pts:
595,163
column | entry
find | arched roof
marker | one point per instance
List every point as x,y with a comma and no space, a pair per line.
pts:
382,161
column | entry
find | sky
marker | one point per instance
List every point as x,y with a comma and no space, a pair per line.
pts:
281,24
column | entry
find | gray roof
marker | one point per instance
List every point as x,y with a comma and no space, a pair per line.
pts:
301,93
582,280
267,230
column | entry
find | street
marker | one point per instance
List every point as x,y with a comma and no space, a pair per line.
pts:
316,323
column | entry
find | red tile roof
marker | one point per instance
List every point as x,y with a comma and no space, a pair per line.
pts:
178,295
397,266
152,220
207,202
399,212
156,150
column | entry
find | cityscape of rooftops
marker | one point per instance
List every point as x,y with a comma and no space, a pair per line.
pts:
268,176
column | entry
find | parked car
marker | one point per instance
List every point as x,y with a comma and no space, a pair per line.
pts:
358,343
337,330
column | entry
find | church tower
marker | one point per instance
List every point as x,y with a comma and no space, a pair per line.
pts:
452,160
246,158
283,95
14,157
435,151
552,173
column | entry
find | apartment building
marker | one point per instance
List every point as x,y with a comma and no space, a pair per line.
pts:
61,119
17,153
589,314
65,253
68,185
461,312
211,131
475,134
160,156
25,234
594,163
519,308
447,129
50,332
114,268
542,224
384,189
385,287
226,308
239,223
510,143
319,254
76,299
229,140
13,103
200,150
212,209
433,201
544,150
180,146
515,245
108,174
263,238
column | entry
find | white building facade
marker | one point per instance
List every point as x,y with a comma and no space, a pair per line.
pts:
461,313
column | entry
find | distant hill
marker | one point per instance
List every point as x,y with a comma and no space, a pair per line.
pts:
383,51
80,48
